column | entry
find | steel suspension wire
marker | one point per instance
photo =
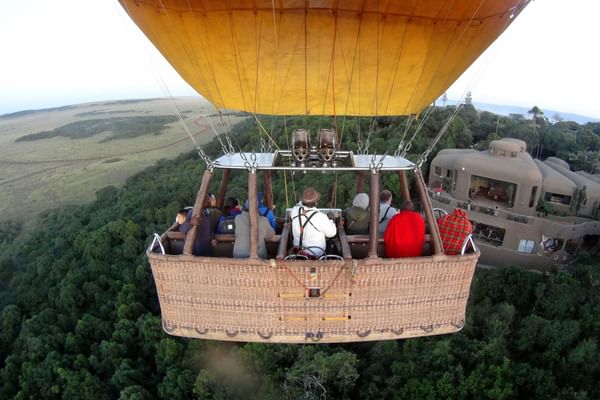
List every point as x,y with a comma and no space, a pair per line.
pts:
287,139
165,89
407,147
400,146
226,129
351,76
422,122
488,55
376,99
425,154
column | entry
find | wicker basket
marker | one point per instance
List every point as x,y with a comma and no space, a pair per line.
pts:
280,301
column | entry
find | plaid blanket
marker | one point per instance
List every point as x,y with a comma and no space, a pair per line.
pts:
454,228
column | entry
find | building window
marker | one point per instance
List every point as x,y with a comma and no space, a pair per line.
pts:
489,234
526,246
571,246
437,170
532,198
557,198
513,154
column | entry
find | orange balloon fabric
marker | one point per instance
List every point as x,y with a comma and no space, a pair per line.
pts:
322,57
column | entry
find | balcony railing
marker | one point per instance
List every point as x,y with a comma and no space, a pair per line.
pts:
472,206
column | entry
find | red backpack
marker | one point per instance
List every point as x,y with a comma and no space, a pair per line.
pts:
454,229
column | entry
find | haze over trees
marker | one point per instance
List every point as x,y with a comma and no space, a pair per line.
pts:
80,317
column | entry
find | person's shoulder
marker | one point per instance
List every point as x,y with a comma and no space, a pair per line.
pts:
322,217
400,216
242,215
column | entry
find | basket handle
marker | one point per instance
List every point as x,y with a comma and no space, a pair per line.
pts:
157,239
468,239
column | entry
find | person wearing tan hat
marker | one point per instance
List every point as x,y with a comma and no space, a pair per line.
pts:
310,226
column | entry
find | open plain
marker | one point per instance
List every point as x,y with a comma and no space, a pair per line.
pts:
60,156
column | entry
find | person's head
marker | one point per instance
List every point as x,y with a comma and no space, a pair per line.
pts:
212,200
385,197
231,202
310,197
181,216
247,204
407,206
361,200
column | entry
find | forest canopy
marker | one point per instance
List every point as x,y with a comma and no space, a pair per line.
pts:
80,316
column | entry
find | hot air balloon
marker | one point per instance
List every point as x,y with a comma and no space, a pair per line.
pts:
316,57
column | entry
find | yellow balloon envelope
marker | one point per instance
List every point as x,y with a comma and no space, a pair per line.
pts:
322,57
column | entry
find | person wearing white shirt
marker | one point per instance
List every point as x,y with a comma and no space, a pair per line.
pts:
311,227
386,211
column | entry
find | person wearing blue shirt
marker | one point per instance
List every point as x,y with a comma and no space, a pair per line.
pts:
265,211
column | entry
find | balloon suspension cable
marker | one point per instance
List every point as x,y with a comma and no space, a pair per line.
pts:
371,129
350,79
373,122
226,129
407,126
406,147
167,92
287,140
426,153
224,147
423,157
265,132
251,164
209,163
422,122
359,142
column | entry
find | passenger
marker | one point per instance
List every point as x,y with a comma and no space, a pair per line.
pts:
310,227
356,218
241,246
265,211
205,233
184,217
232,207
227,221
405,233
454,229
386,211
213,211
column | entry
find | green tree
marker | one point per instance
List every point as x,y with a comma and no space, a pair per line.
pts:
535,113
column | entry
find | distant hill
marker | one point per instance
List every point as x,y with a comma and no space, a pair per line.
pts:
507,110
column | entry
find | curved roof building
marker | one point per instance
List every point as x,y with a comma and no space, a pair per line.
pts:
517,203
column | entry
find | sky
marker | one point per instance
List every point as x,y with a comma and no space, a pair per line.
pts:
62,52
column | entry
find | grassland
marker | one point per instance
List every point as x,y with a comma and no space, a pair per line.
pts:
60,156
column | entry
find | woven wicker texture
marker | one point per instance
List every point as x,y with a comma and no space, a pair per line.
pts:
268,301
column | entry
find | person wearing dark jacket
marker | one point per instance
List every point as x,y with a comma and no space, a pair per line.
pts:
184,217
213,211
205,233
